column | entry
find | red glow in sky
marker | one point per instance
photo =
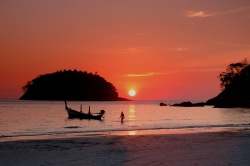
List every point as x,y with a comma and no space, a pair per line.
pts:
161,49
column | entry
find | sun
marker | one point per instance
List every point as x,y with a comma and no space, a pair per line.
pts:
131,92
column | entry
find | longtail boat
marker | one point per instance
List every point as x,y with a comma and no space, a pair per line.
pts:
80,115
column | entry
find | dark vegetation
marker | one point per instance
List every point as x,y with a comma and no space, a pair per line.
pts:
70,85
235,86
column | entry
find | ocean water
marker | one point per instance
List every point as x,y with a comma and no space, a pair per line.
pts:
38,118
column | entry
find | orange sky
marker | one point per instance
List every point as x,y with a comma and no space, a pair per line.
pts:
164,49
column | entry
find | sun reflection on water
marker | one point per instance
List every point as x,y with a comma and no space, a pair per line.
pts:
132,132
131,115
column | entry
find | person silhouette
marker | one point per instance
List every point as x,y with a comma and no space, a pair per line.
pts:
122,116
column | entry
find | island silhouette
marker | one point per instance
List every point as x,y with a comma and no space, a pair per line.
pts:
189,104
70,85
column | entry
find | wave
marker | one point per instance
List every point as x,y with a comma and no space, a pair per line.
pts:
103,131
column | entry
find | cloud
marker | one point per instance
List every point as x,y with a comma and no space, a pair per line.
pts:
182,49
203,14
147,74
132,50
198,14
235,10
202,70
142,34
171,72
234,45
178,49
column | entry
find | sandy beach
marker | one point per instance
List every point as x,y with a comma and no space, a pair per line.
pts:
229,147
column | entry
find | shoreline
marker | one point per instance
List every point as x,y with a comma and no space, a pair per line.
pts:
122,133
221,147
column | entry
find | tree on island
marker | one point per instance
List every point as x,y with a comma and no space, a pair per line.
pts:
70,85
235,86
237,74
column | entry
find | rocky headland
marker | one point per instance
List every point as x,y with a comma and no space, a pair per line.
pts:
235,85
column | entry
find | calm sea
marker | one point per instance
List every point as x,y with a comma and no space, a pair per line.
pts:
37,118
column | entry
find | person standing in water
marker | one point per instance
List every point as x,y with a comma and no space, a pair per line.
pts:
122,116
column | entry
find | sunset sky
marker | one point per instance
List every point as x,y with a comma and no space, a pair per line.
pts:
163,49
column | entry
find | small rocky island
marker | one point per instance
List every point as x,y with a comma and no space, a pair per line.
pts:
70,85
163,104
235,86
189,104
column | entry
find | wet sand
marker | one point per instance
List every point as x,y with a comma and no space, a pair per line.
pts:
223,147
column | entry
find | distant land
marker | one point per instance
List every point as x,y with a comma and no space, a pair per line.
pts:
70,85
235,86
188,104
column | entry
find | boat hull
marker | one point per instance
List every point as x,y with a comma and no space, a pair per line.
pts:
80,115
75,114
